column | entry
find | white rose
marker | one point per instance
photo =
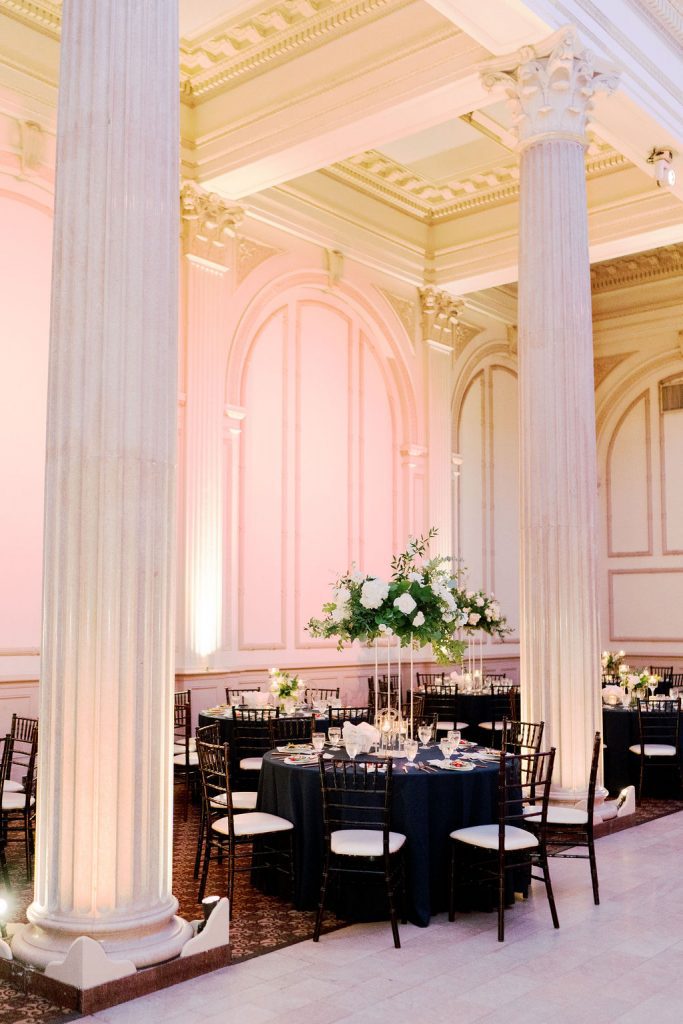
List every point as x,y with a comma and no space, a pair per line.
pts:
488,614
419,619
469,594
415,577
373,593
358,577
339,613
473,618
405,603
342,595
495,610
480,602
448,600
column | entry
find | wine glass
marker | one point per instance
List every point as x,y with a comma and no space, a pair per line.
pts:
411,747
334,735
318,741
425,734
454,736
353,748
447,748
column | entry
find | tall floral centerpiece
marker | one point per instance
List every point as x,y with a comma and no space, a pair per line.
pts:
422,603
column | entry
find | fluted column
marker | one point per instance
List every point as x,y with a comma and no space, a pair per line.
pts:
209,250
440,312
551,91
103,859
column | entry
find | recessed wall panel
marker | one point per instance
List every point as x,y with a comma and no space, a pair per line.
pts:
505,493
628,482
646,605
472,517
671,425
377,458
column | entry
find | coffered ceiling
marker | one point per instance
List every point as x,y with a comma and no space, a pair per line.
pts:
364,124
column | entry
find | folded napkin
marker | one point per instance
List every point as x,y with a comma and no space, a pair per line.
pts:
364,733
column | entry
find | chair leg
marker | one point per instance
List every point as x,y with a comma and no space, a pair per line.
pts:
594,871
200,843
231,875
392,905
205,868
321,902
640,780
543,860
501,902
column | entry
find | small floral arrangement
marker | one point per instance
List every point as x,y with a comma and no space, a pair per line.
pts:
285,686
482,611
641,680
419,605
612,662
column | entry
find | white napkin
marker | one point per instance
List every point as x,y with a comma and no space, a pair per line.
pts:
364,734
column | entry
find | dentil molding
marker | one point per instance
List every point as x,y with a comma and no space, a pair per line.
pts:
207,223
653,265
550,87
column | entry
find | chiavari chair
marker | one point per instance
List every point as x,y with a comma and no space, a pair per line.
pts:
659,737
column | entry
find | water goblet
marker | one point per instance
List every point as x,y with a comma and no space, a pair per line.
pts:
411,747
334,735
353,749
425,734
454,736
318,741
446,746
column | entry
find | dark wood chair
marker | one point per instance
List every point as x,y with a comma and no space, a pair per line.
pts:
340,715
244,800
24,735
441,702
418,708
522,737
382,692
291,730
232,836
494,677
251,736
18,806
321,693
511,843
427,678
659,742
233,696
185,762
571,828
356,811
504,703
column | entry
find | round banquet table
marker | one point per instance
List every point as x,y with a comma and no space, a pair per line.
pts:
426,807
472,708
619,732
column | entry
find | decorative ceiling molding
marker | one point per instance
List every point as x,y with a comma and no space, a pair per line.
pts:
44,15
441,318
250,255
404,309
665,16
404,189
248,45
207,223
638,269
603,365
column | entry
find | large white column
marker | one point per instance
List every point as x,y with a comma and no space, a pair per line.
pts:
551,91
103,861
440,312
208,256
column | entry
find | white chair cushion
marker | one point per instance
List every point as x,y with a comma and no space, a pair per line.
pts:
14,801
490,725
13,787
486,837
445,726
253,823
654,750
364,842
179,748
193,758
241,801
251,764
558,815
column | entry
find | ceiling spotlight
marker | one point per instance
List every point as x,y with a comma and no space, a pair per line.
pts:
662,160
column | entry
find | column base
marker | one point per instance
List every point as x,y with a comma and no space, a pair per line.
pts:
579,798
144,946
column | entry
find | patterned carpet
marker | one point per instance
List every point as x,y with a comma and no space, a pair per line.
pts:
260,923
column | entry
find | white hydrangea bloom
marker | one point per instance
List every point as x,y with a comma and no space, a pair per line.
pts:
419,619
374,592
357,577
405,603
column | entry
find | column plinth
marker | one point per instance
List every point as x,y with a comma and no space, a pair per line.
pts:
551,92
105,797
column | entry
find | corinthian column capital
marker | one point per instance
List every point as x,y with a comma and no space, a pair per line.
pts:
440,316
550,87
208,222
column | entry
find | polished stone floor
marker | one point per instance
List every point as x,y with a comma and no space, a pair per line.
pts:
621,961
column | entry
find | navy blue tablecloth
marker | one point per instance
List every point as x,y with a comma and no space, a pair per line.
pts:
426,807
620,731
